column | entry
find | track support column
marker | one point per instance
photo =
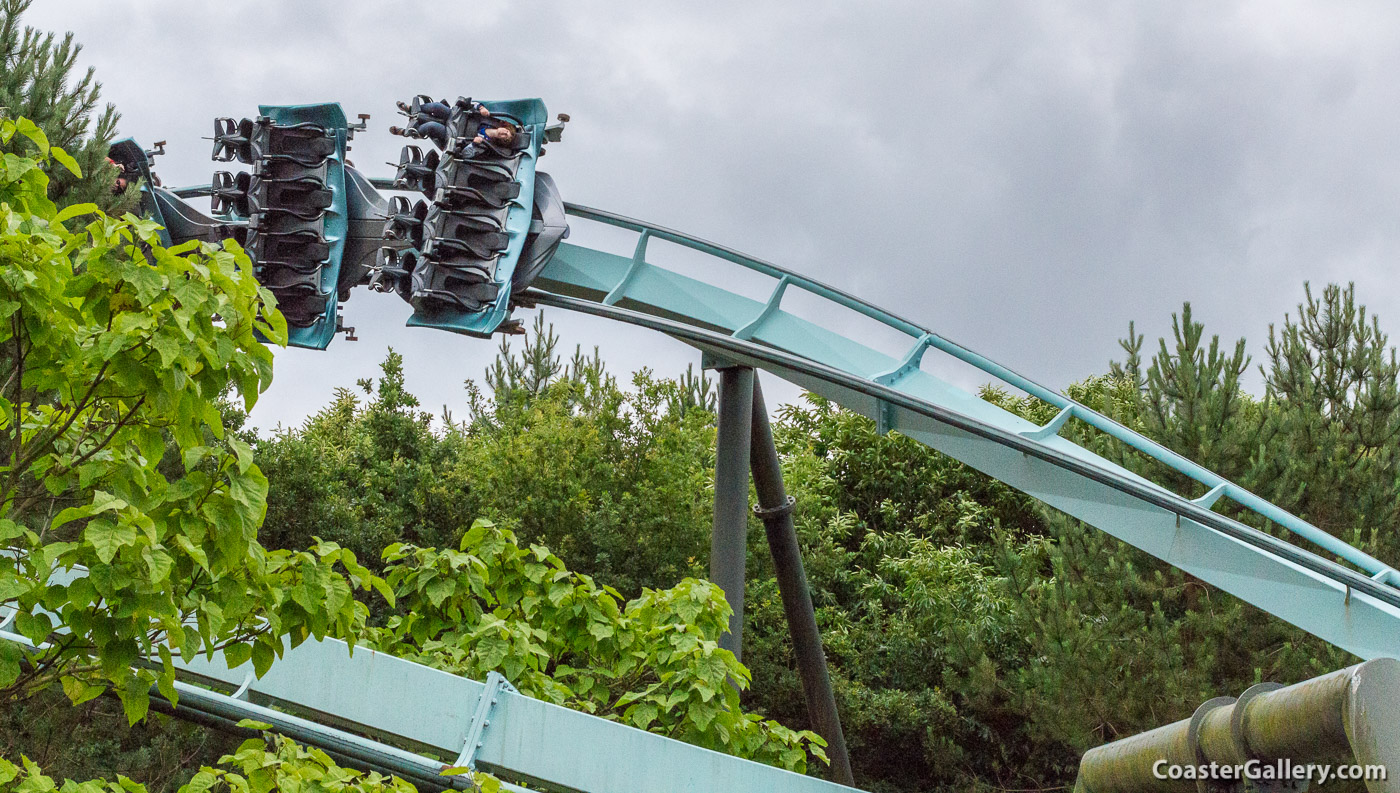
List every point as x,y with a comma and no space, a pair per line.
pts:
728,542
775,508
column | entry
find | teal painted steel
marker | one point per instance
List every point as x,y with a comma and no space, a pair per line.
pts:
1360,612
1322,597
532,115
337,221
531,741
525,740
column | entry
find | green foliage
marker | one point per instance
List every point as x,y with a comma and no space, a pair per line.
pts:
1330,443
259,765
1189,399
563,455
36,83
899,544
94,740
362,476
615,481
28,777
976,640
556,635
277,763
111,358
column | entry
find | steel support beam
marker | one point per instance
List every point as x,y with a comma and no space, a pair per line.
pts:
354,705
775,508
1353,611
728,543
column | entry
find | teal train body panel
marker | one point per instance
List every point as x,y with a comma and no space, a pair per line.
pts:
532,115
337,223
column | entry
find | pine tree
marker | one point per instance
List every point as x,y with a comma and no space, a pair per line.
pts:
1189,398
1329,445
37,82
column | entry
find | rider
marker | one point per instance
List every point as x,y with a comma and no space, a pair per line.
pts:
126,174
431,123
119,184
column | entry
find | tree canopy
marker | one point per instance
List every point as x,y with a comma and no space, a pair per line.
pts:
558,531
38,83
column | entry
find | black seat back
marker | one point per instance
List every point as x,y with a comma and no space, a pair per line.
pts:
233,140
285,199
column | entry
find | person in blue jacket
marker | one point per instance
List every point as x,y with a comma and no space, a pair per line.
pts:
431,123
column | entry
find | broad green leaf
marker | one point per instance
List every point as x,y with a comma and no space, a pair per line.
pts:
10,658
193,551
158,562
202,781
79,691
136,700
10,530
236,655
263,657
76,209
108,537
32,131
71,164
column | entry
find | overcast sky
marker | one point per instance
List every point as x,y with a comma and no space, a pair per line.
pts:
1023,177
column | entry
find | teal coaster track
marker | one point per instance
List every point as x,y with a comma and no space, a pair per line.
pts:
1355,608
1331,589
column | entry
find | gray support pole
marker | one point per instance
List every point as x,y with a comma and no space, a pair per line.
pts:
775,508
728,541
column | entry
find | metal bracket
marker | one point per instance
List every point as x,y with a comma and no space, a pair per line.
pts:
1242,748
911,360
884,417
766,514
1238,716
476,731
1053,428
639,260
242,692
351,129
553,133
1193,731
1208,500
710,361
775,300
341,327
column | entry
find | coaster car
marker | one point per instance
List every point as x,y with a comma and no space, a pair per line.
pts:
477,229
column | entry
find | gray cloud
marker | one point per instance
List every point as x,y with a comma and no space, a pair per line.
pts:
1024,177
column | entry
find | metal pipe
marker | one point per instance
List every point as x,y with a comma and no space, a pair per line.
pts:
728,542
775,508
1315,721
346,745
228,726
